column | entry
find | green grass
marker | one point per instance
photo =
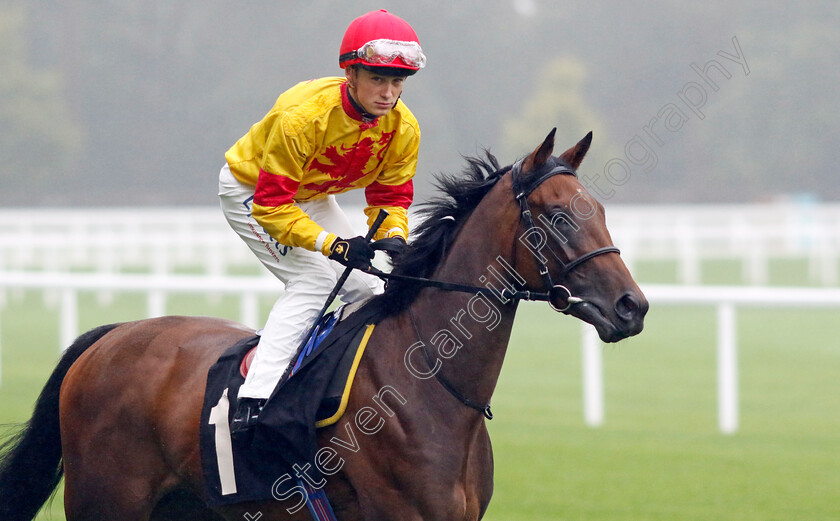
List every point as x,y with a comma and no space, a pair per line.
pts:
659,455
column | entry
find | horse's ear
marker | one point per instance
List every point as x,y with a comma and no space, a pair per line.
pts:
574,156
542,153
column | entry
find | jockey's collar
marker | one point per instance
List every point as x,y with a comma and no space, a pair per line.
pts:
354,109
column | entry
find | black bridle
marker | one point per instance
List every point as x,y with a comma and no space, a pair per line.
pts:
522,188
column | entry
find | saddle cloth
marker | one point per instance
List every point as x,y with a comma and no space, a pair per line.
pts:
245,466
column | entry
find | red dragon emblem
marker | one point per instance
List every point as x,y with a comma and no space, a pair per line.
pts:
346,164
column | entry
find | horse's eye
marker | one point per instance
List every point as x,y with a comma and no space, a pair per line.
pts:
560,218
561,214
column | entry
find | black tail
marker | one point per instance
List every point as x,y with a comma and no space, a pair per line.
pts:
30,459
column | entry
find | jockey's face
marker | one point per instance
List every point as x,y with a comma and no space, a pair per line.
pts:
376,93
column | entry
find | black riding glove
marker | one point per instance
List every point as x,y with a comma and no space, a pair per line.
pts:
391,245
353,253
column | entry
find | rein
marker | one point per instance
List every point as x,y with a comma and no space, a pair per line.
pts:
464,288
554,292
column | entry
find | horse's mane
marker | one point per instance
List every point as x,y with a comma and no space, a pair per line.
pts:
440,218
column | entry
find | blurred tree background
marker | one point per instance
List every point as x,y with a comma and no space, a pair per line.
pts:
39,135
134,103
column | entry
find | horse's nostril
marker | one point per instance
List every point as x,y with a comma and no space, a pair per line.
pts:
627,306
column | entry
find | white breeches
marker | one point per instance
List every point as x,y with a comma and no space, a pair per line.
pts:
309,278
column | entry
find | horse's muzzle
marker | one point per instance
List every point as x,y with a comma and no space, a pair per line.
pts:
630,310
625,319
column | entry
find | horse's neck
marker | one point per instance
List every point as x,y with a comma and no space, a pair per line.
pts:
478,326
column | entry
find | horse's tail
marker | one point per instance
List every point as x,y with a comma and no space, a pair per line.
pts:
30,459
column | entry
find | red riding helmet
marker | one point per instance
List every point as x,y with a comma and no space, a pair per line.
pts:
382,40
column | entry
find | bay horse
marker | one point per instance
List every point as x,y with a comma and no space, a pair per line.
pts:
119,416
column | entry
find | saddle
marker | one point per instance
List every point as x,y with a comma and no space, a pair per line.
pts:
245,466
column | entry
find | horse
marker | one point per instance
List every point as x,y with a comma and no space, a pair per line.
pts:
119,416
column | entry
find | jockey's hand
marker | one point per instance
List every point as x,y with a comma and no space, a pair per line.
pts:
353,253
391,245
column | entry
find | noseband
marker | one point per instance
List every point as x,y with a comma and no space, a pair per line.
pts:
521,190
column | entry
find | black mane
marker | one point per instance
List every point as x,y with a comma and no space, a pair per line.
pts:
440,217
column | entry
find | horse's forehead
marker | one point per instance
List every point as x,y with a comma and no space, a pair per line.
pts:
567,194
561,189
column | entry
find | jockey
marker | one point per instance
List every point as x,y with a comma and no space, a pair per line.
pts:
277,188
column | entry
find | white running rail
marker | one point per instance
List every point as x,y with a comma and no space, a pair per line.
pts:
160,240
